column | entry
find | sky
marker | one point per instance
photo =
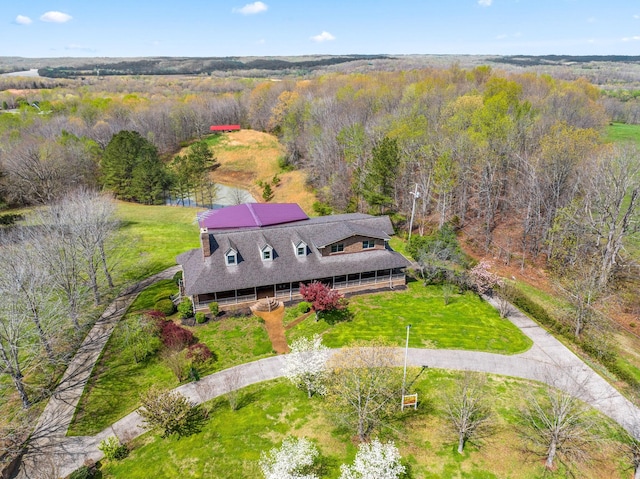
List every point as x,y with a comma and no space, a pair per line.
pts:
206,28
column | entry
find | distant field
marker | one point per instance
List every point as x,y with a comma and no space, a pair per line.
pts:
622,132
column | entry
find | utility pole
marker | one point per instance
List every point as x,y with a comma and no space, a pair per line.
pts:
416,195
406,353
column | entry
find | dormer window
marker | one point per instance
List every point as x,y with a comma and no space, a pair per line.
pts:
231,257
367,244
300,248
267,253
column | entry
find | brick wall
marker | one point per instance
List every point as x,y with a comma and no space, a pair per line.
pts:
353,245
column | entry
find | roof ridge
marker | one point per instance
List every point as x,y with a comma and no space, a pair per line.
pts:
256,218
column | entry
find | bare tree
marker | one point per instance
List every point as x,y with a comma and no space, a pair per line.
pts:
16,342
364,386
558,426
25,276
467,408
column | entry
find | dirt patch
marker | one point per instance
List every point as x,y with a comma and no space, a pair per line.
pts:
275,330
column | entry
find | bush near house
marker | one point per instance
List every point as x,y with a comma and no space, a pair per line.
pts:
214,309
185,308
200,318
165,306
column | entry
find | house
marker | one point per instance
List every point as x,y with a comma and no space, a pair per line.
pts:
254,250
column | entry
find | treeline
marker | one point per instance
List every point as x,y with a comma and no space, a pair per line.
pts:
198,66
50,149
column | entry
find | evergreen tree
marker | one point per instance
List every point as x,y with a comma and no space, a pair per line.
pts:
132,169
382,172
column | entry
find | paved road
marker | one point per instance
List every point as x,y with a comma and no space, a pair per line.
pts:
548,361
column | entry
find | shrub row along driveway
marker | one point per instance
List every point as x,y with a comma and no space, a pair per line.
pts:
548,361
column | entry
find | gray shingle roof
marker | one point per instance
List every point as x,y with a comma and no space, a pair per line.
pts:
206,275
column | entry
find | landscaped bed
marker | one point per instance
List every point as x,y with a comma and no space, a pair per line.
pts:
230,442
467,322
116,384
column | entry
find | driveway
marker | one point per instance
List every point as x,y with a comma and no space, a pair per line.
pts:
548,361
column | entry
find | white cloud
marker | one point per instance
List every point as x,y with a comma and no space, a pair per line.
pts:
323,37
262,41
252,8
637,17
485,3
501,37
591,20
55,17
22,20
631,39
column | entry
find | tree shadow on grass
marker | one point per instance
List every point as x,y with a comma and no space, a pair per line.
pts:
336,316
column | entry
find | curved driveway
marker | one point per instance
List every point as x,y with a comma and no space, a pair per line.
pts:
547,361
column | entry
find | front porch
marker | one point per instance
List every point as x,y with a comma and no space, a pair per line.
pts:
352,283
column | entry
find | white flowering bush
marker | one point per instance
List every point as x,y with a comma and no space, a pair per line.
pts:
374,460
306,364
292,460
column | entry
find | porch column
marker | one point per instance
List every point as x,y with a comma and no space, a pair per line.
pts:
255,293
290,291
235,292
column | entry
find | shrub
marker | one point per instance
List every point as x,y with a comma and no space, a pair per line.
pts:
171,412
200,353
185,308
174,336
214,309
165,306
304,307
177,277
200,317
84,472
9,219
113,449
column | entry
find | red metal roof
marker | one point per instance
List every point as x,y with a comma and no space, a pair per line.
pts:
224,127
251,215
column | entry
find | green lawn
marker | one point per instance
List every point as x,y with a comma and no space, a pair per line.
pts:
622,132
230,443
466,323
116,383
154,236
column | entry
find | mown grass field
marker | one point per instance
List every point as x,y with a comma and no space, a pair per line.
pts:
466,322
622,132
152,238
230,443
249,156
117,382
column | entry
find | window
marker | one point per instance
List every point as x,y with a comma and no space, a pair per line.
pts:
231,258
337,248
301,250
366,244
266,254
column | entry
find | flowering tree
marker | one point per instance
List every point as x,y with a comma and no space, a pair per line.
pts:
374,460
321,297
305,365
292,460
483,279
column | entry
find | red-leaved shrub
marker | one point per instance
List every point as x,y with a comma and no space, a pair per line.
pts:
155,314
199,353
174,336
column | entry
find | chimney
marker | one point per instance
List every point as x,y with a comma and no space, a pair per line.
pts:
205,241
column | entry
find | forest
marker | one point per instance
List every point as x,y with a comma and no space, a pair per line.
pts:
514,163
